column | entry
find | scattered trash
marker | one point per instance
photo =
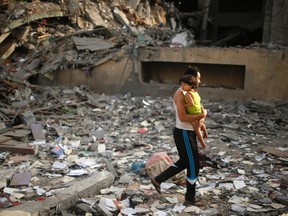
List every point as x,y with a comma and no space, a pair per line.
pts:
240,161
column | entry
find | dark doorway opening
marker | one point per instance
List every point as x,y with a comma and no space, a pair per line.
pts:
213,75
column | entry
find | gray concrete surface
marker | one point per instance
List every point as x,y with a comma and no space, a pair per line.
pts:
65,198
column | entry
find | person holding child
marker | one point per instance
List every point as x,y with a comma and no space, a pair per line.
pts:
185,140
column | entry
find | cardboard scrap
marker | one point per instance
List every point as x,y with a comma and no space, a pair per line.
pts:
37,131
275,151
20,179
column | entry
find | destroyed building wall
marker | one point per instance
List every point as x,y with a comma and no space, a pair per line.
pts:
262,72
276,22
231,73
106,78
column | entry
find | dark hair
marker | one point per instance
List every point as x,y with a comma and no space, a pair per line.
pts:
188,80
192,70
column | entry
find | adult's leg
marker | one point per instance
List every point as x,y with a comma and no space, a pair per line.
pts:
186,144
193,164
179,165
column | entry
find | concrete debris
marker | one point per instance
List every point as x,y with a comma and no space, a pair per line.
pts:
46,32
76,152
79,134
42,22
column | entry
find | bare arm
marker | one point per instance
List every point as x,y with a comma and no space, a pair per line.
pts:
181,109
190,99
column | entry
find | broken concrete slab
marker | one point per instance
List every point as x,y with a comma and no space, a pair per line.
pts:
37,131
4,175
121,16
92,44
274,151
66,198
94,14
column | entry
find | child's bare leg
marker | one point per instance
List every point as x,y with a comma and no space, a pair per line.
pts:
204,130
199,135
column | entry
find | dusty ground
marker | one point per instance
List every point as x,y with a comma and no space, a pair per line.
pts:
238,132
249,180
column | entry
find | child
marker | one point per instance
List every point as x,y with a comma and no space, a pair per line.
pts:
189,87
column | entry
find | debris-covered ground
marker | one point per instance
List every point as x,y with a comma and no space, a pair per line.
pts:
51,137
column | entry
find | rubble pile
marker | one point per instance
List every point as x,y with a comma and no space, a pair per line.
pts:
41,37
54,137
32,25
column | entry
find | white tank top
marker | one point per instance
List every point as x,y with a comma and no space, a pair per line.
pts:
180,124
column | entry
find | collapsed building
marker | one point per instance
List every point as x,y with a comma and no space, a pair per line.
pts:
113,46
54,141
